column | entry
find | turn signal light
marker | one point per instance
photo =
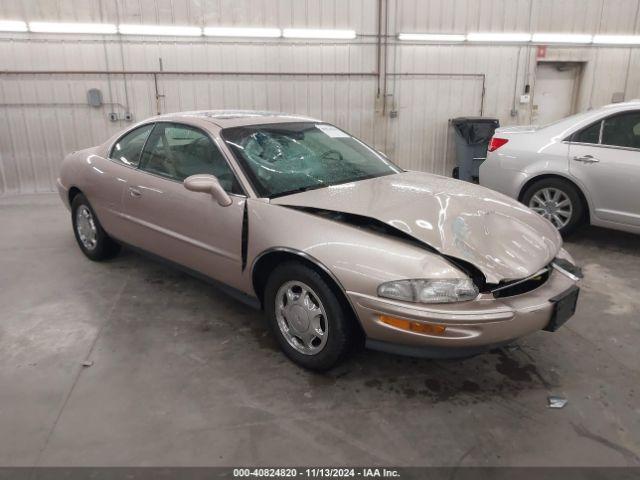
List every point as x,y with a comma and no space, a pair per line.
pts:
429,329
496,143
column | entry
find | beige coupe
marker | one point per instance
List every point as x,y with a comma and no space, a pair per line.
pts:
330,238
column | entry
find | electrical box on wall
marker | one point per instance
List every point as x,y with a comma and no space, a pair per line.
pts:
114,116
526,95
94,97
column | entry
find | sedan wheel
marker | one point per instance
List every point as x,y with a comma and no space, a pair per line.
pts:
554,205
308,315
86,227
557,200
301,317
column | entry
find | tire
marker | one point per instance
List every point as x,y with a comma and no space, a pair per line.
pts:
91,237
536,192
336,319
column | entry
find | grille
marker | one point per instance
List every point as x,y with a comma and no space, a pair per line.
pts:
524,285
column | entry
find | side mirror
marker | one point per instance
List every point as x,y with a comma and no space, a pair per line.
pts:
208,184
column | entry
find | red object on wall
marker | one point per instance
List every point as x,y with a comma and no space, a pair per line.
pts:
542,51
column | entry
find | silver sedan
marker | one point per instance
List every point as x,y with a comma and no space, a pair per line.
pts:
581,169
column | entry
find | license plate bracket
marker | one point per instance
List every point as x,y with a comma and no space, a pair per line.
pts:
564,306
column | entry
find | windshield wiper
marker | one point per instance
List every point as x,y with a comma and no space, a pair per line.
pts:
300,190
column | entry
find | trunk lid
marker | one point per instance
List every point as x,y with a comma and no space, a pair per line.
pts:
517,129
498,235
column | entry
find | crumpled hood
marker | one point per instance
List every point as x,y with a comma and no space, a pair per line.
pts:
501,237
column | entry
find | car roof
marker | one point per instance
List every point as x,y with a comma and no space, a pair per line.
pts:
574,122
635,103
235,118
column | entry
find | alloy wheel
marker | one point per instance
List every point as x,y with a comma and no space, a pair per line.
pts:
553,204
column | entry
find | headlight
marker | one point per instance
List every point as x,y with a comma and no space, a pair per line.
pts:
429,291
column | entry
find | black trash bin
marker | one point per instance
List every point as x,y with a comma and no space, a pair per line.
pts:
472,135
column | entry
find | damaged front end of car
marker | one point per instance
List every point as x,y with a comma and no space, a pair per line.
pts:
394,289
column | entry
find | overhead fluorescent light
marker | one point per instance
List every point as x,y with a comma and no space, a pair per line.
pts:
12,26
561,38
318,33
50,27
499,37
431,37
242,32
617,39
170,30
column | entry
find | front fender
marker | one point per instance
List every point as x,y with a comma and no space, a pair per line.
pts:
359,259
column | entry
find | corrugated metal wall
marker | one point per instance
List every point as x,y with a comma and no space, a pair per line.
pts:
44,116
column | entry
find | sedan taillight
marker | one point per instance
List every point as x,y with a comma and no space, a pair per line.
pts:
496,143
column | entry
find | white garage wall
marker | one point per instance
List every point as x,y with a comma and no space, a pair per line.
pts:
44,116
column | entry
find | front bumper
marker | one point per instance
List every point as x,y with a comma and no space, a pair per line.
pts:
471,326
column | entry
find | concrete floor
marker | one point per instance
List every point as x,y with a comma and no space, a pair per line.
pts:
183,375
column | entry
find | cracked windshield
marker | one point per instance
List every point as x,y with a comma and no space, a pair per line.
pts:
286,158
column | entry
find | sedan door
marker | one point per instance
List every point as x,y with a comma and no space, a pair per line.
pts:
605,159
188,228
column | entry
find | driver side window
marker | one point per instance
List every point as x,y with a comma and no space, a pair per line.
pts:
177,151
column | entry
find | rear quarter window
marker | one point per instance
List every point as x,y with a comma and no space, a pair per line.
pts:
590,134
128,149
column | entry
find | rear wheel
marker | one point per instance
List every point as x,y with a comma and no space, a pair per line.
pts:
558,201
310,321
91,237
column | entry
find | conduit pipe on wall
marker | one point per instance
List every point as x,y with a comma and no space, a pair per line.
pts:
156,73
379,45
186,72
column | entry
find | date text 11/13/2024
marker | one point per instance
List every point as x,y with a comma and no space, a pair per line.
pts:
320,472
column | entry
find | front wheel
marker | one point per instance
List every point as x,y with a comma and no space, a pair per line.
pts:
311,322
556,200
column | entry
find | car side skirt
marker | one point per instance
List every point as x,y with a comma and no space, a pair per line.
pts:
249,300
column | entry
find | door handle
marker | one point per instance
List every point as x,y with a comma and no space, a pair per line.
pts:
134,192
586,159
